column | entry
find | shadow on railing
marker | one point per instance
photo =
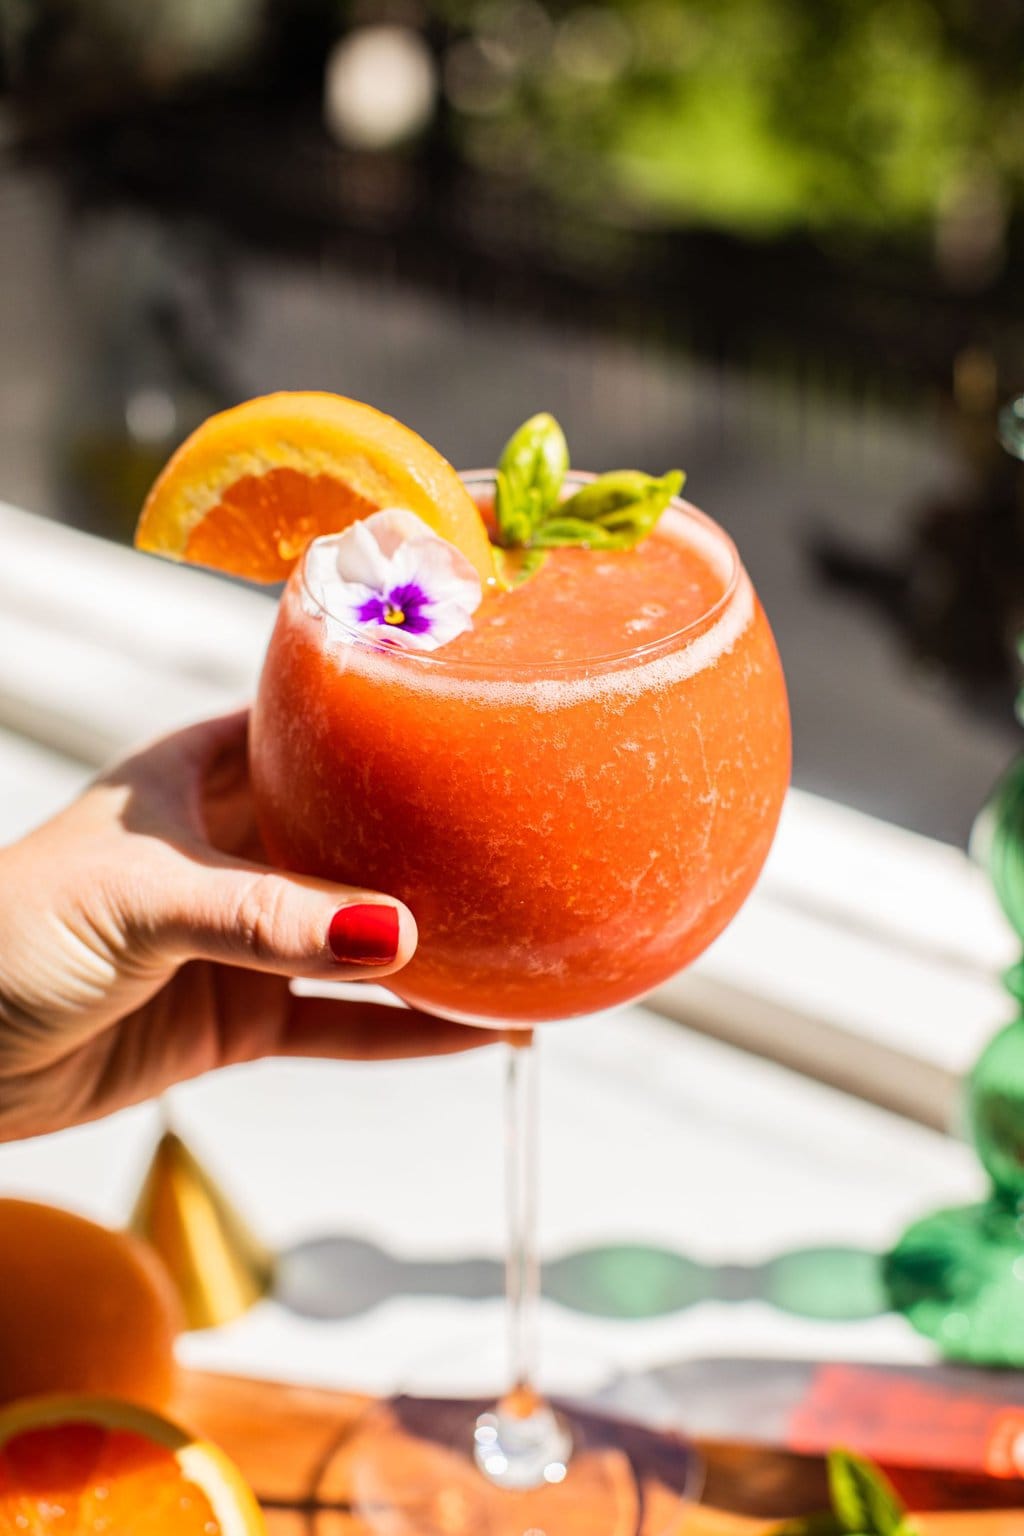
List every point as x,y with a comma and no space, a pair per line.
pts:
342,1276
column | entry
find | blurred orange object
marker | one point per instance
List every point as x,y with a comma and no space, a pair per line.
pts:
254,485
83,1465
980,1522
299,1445
82,1309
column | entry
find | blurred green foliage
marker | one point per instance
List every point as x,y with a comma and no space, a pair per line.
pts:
761,115
865,117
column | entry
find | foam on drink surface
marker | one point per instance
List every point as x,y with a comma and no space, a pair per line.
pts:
601,625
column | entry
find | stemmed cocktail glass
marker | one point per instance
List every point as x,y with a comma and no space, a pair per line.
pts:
573,809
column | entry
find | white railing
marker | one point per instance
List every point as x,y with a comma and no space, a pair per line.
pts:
868,957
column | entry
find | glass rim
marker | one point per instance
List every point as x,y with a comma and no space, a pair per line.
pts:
610,661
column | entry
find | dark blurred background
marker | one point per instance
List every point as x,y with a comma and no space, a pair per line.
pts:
777,243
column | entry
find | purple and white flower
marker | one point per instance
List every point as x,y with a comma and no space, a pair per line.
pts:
392,578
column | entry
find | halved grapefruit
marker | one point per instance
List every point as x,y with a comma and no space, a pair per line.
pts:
81,1465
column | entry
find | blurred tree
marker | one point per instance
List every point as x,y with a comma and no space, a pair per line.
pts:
863,118
760,115
97,47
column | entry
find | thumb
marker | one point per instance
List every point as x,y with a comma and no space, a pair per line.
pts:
246,914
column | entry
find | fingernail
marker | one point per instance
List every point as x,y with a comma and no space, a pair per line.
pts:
365,934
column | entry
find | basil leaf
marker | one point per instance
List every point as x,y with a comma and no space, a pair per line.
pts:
863,1497
531,470
812,1525
614,512
513,518
517,565
557,531
618,489
624,502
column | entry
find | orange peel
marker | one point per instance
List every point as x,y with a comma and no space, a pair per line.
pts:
252,486
102,1464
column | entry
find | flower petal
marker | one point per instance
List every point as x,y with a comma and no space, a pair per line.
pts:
319,571
340,610
447,624
359,556
391,559
395,526
441,570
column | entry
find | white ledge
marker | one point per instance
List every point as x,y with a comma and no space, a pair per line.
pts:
868,956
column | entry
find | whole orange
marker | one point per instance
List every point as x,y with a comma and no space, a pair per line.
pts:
82,1309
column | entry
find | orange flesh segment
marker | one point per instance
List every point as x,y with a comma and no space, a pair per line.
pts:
78,1478
263,523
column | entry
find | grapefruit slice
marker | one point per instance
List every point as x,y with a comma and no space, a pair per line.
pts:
250,489
80,1465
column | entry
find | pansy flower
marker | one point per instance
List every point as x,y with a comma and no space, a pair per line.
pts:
392,579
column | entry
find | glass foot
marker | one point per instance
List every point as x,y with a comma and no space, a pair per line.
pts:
595,1454
522,1442
415,1471
958,1277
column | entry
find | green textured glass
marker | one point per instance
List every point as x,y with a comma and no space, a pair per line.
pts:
1011,427
995,1106
958,1275
997,843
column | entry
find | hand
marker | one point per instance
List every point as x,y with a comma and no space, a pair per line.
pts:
143,942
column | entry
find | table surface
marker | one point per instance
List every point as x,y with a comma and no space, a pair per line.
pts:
298,1448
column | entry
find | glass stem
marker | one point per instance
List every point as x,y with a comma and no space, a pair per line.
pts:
522,1443
522,1267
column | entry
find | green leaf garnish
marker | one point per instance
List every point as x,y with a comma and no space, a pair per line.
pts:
514,566
615,511
812,1525
864,1503
863,1497
624,505
555,532
531,470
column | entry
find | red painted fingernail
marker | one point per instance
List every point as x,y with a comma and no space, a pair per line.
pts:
366,934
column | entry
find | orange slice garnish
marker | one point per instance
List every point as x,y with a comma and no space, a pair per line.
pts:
84,1465
250,489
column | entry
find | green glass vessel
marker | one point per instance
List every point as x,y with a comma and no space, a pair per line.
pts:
958,1275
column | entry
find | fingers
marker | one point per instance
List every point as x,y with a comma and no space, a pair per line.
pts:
179,759
248,915
356,1031
206,740
164,787
252,1016
193,902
